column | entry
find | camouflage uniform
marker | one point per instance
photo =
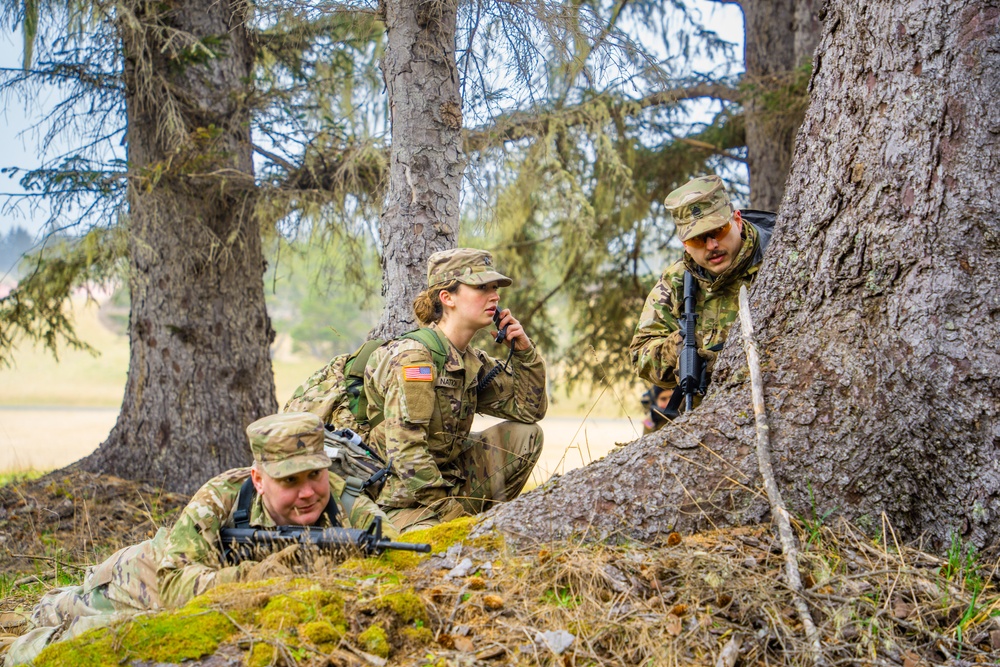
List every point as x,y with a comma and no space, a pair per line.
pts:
178,564
657,342
322,394
440,469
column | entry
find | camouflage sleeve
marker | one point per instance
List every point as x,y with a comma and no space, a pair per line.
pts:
657,340
407,407
518,394
191,562
363,513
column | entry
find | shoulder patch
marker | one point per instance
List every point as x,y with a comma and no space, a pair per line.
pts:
418,373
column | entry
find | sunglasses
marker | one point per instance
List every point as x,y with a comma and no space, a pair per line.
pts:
717,234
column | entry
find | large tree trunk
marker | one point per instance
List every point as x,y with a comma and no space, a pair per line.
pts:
876,308
199,369
426,161
781,36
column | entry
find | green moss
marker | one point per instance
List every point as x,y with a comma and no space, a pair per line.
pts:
492,540
323,634
171,637
334,613
406,605
285,611
370,568
375,641
443,536
262,655
402,560
419,635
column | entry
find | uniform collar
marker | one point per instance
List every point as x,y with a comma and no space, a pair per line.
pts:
456,360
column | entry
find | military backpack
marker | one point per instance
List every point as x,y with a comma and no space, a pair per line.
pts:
336,394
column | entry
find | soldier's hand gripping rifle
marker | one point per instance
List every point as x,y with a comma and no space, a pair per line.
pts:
239,544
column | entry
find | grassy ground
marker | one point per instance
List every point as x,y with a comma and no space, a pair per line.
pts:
79,378
713,598
55,411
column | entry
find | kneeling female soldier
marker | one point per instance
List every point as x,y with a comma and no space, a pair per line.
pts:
423,417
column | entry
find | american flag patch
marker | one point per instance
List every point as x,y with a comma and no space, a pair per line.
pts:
417,374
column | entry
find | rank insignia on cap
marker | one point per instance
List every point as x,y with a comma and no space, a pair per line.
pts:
696,212
421,373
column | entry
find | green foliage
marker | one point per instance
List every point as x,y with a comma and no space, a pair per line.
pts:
814,522
36,310
15,476
561,597
567,185
321,295
963,568
323,633
13,585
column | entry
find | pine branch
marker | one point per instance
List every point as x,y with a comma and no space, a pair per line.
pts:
532,123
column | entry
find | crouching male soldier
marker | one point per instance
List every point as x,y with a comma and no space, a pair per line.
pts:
723,249
288,484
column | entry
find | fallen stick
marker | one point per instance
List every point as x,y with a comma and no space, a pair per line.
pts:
730,653
778,510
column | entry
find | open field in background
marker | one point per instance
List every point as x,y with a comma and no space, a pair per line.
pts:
53,412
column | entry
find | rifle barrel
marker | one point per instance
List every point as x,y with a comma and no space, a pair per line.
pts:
405,546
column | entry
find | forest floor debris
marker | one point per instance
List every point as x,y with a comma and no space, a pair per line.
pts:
715,598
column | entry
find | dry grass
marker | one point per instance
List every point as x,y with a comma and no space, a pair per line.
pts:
679,602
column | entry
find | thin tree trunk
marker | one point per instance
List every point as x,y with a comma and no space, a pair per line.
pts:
426,162
878,307
199,368
781,36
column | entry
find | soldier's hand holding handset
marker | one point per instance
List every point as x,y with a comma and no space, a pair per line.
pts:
509,330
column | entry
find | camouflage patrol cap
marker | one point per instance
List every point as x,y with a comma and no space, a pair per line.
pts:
288,443
699,206
466,265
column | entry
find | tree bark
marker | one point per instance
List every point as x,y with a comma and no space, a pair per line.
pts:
199,334
421,214
780,38
878,307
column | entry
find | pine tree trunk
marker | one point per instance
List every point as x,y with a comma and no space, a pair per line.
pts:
781,36
199,334
426,161
877,309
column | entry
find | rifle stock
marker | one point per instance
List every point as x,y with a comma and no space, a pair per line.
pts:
239,544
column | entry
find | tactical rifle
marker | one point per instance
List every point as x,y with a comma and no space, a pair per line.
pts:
693,378
690,380
241,544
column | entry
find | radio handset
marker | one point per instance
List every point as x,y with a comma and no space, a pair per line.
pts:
501,333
